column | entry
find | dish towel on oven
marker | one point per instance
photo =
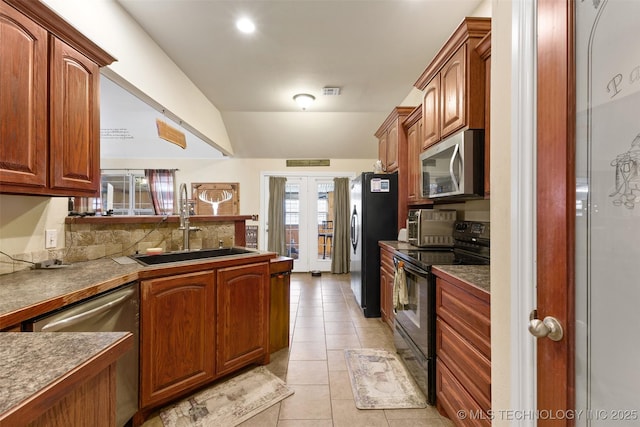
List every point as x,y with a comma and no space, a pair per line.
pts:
400,293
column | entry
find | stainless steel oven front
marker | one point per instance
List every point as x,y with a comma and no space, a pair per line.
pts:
414,332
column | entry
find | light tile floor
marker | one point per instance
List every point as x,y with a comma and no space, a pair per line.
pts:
325,320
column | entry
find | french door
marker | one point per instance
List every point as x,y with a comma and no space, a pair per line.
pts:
309,220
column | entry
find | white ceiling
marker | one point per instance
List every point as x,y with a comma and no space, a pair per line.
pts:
374,50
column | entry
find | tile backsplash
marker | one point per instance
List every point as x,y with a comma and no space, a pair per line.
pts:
84,242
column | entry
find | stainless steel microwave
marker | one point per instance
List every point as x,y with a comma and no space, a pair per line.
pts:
454,167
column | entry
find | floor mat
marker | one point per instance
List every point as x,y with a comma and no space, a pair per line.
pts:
228,403
379,380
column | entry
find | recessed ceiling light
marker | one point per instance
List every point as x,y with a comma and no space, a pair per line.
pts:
245,25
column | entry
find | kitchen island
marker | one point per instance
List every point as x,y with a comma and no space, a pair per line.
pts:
59,378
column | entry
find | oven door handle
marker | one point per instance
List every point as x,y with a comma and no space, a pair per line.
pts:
412,268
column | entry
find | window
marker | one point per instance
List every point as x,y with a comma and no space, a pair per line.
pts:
131,193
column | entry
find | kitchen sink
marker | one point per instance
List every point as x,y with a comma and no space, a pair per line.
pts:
164,258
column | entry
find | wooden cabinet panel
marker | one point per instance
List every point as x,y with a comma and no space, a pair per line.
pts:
431,113
453,84
242,316
452,93
280,308
413,126
392,141
451,397
382,150
386,286
466,313
23,104
465,362
177,338
463,351
75,118
49,108
484,50
92,403
392,149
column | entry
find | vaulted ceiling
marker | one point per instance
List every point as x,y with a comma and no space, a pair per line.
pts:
373,50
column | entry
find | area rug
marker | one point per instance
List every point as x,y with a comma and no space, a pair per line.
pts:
228,403
379,380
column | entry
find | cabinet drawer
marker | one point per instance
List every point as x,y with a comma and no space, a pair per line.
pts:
465,362
466,314
452,397
386,260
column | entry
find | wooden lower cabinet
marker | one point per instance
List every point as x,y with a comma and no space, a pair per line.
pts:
463,353
89,404
280,303
387,273
242,316
199,326
177,335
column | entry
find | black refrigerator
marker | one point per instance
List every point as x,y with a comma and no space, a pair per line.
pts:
374,217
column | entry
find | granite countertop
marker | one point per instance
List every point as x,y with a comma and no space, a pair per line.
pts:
23,356
27,294
474,275
21,293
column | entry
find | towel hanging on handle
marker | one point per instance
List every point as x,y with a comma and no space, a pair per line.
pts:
400,292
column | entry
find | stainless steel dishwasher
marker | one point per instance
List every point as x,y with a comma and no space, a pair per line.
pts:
112,311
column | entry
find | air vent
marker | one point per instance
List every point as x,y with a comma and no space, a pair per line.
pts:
330,90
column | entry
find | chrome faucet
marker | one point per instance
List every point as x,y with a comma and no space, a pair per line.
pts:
184,216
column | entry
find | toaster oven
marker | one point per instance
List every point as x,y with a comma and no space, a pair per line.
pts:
431,228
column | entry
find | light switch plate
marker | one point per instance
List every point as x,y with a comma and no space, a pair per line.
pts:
50,238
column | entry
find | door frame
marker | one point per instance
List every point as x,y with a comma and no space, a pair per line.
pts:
543,184
264,197
523,201
555,213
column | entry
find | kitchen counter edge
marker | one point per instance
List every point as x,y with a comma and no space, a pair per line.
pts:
28,294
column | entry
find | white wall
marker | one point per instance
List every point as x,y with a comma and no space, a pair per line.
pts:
500,206
246,172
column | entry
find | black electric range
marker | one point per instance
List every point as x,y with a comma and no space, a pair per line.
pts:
414,332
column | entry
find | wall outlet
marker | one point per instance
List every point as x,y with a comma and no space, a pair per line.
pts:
50,238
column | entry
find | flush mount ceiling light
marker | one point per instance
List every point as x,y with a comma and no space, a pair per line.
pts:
304,100
245,25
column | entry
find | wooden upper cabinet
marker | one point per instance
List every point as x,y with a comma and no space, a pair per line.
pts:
431,113
452,92
392,136
484,50
49,108
382,150
392,141
23,104
75,120
414,128
453,84
393,162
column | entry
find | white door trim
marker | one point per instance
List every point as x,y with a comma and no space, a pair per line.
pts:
264,192
523,208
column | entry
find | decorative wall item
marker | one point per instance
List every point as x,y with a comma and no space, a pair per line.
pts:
216,198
